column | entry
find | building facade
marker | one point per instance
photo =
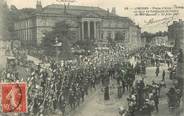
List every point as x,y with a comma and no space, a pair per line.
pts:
176,33
160,41
87,23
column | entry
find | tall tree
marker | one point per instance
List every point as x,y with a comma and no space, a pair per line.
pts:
62,31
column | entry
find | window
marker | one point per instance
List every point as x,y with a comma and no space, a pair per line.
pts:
120,36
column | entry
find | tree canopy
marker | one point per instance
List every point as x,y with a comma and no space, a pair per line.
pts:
64,34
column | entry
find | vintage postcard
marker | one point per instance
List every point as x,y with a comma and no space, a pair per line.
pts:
91,58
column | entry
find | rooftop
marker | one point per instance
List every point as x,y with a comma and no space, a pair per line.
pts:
73,10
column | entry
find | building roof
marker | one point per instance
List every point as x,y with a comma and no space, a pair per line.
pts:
26,12
61,9
73,10
74,7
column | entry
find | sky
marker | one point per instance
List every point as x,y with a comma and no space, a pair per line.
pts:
120,9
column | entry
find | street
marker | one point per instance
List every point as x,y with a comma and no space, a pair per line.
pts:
96,106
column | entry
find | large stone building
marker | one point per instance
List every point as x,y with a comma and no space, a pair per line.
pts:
88,23
176,33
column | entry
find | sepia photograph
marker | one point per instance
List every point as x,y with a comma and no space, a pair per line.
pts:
91,58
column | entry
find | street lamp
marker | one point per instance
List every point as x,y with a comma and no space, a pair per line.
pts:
57,45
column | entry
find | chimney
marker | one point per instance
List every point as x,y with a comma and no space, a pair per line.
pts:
113,10
38,5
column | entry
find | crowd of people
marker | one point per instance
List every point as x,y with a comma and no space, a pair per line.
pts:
62,88
144,98
59,87
152,55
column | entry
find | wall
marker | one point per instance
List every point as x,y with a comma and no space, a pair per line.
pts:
46,23
176,32
111,27
134,41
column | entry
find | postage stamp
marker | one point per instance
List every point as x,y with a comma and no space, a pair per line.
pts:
13,97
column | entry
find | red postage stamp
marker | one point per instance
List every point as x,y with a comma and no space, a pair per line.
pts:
14,97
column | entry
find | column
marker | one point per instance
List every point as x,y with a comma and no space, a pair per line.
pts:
89,29
95,37
99,33
82,37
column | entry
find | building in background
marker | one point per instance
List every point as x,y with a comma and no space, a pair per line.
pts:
87,23
160,41
176,33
